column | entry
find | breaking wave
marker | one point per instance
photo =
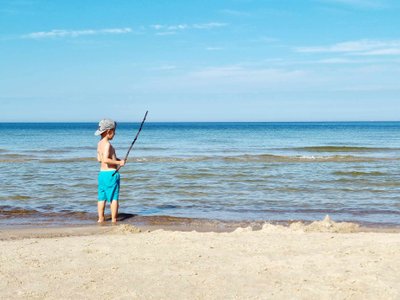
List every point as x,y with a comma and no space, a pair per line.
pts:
343,149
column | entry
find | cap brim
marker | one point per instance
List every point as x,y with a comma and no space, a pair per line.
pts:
98,132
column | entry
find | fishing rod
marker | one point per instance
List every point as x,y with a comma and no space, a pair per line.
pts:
129,150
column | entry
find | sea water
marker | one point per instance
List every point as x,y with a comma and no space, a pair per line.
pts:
221,171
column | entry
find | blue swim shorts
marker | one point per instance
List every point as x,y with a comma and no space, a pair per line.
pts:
108,186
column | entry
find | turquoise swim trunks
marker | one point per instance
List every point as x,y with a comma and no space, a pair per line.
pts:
108,186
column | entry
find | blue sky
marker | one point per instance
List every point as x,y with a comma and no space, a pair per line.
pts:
238,60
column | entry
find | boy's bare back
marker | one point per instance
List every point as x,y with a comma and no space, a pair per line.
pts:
106,151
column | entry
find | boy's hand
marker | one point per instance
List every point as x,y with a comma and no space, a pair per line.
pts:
122,163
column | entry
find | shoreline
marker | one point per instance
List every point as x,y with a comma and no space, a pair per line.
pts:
179,224
27,218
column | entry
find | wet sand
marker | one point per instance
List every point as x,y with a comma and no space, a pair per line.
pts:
321,260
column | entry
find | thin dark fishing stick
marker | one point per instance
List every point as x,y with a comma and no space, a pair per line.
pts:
126,156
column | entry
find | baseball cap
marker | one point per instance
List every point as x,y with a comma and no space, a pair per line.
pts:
105,125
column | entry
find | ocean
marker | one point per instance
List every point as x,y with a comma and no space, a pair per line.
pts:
275,172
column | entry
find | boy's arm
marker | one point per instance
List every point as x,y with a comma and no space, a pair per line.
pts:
105,158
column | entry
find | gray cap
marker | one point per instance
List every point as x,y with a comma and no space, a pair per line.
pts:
105,125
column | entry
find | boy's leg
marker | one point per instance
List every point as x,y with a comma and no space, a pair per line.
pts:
114,211
101,205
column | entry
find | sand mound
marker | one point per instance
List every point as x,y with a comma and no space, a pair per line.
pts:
268,227
243,229
126,228
326,225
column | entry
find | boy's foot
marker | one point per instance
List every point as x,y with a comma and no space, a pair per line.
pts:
101,220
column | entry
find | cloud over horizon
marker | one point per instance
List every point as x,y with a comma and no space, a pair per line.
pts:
357,47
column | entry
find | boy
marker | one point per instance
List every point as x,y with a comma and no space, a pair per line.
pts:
108,189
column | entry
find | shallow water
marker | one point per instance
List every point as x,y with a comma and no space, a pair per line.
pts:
225,171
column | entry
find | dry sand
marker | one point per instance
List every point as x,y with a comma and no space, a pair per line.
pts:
324,260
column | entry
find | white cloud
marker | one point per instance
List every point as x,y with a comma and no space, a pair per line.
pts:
172,29
227,79
164,68
359,47
236,13
245,77
178,27
157,27
209,25
116,30
160,30
359,3
59,33
334,61
166,33
213,48
388,51
232,71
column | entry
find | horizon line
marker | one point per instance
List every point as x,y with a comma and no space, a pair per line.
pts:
329,121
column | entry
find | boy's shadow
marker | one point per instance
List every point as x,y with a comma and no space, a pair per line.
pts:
122,217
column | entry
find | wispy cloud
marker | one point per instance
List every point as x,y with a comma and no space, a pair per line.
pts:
173,29
236,13
359,47
160,30
164,68
246,76
214,48
358,3
387,51
166,33
61,33
227,79
170,27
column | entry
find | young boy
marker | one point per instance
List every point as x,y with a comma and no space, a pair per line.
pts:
108,184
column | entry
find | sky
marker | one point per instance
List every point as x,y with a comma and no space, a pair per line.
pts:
199,60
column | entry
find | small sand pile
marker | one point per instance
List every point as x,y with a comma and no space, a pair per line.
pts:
126,228
268,227
326,225
243,229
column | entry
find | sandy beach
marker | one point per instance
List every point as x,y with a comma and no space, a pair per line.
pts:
323,260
